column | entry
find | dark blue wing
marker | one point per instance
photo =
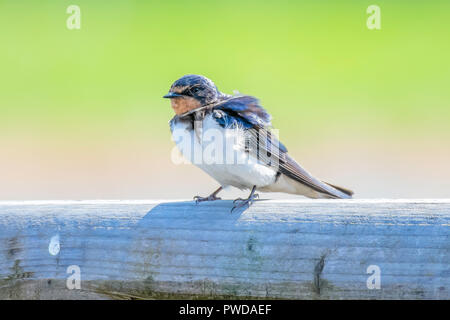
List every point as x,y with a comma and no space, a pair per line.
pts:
246,108
246,113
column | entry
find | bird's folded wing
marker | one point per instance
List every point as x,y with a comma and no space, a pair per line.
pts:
245,112
247,109
266,147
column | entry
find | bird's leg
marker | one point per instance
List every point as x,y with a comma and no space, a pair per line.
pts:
211,197
244,202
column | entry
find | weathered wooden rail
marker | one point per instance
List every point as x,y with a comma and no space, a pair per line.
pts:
296,249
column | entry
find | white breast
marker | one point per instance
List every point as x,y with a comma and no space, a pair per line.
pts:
220,153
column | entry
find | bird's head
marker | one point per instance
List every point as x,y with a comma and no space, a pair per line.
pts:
190,92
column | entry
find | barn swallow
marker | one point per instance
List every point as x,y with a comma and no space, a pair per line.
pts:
199,106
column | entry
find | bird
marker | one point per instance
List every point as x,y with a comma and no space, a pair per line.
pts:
260,162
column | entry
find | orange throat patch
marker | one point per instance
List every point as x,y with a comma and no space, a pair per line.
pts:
184,104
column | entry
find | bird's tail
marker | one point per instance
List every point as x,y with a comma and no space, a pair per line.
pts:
341,189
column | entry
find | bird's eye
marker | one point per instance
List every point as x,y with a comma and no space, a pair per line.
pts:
195,90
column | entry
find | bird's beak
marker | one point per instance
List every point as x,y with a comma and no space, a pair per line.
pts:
171,95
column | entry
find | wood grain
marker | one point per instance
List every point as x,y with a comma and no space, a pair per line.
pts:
294,249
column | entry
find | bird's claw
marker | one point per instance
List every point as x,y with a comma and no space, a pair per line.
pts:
243,202
199,199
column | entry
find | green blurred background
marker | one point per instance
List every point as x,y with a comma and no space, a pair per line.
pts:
81,113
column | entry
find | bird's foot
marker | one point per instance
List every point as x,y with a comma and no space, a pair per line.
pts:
239,202
212,197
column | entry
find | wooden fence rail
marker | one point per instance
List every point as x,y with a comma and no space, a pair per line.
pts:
295,249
